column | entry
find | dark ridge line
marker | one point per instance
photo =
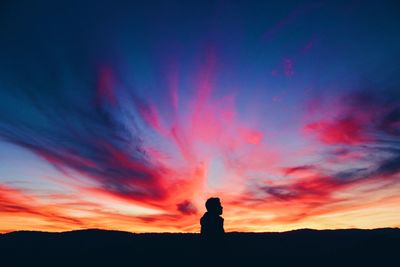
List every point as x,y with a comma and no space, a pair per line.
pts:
98,230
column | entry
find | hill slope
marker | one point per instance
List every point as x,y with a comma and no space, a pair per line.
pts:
93,247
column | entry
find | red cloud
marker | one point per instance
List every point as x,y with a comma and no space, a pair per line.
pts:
342,131
14,202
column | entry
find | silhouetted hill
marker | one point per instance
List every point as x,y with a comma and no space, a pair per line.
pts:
306,247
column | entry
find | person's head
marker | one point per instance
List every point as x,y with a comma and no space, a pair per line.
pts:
213,205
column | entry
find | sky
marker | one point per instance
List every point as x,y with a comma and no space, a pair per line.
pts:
129,115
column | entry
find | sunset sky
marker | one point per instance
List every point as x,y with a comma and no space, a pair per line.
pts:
128,116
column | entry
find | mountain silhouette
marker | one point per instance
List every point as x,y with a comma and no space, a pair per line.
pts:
306,247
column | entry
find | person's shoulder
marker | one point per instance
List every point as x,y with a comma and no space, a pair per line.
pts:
204,217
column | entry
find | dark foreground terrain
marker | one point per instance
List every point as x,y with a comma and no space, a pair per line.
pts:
380,247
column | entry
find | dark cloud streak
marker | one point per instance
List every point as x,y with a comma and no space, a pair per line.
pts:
53,75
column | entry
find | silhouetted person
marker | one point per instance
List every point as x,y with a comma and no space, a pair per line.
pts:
212,224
